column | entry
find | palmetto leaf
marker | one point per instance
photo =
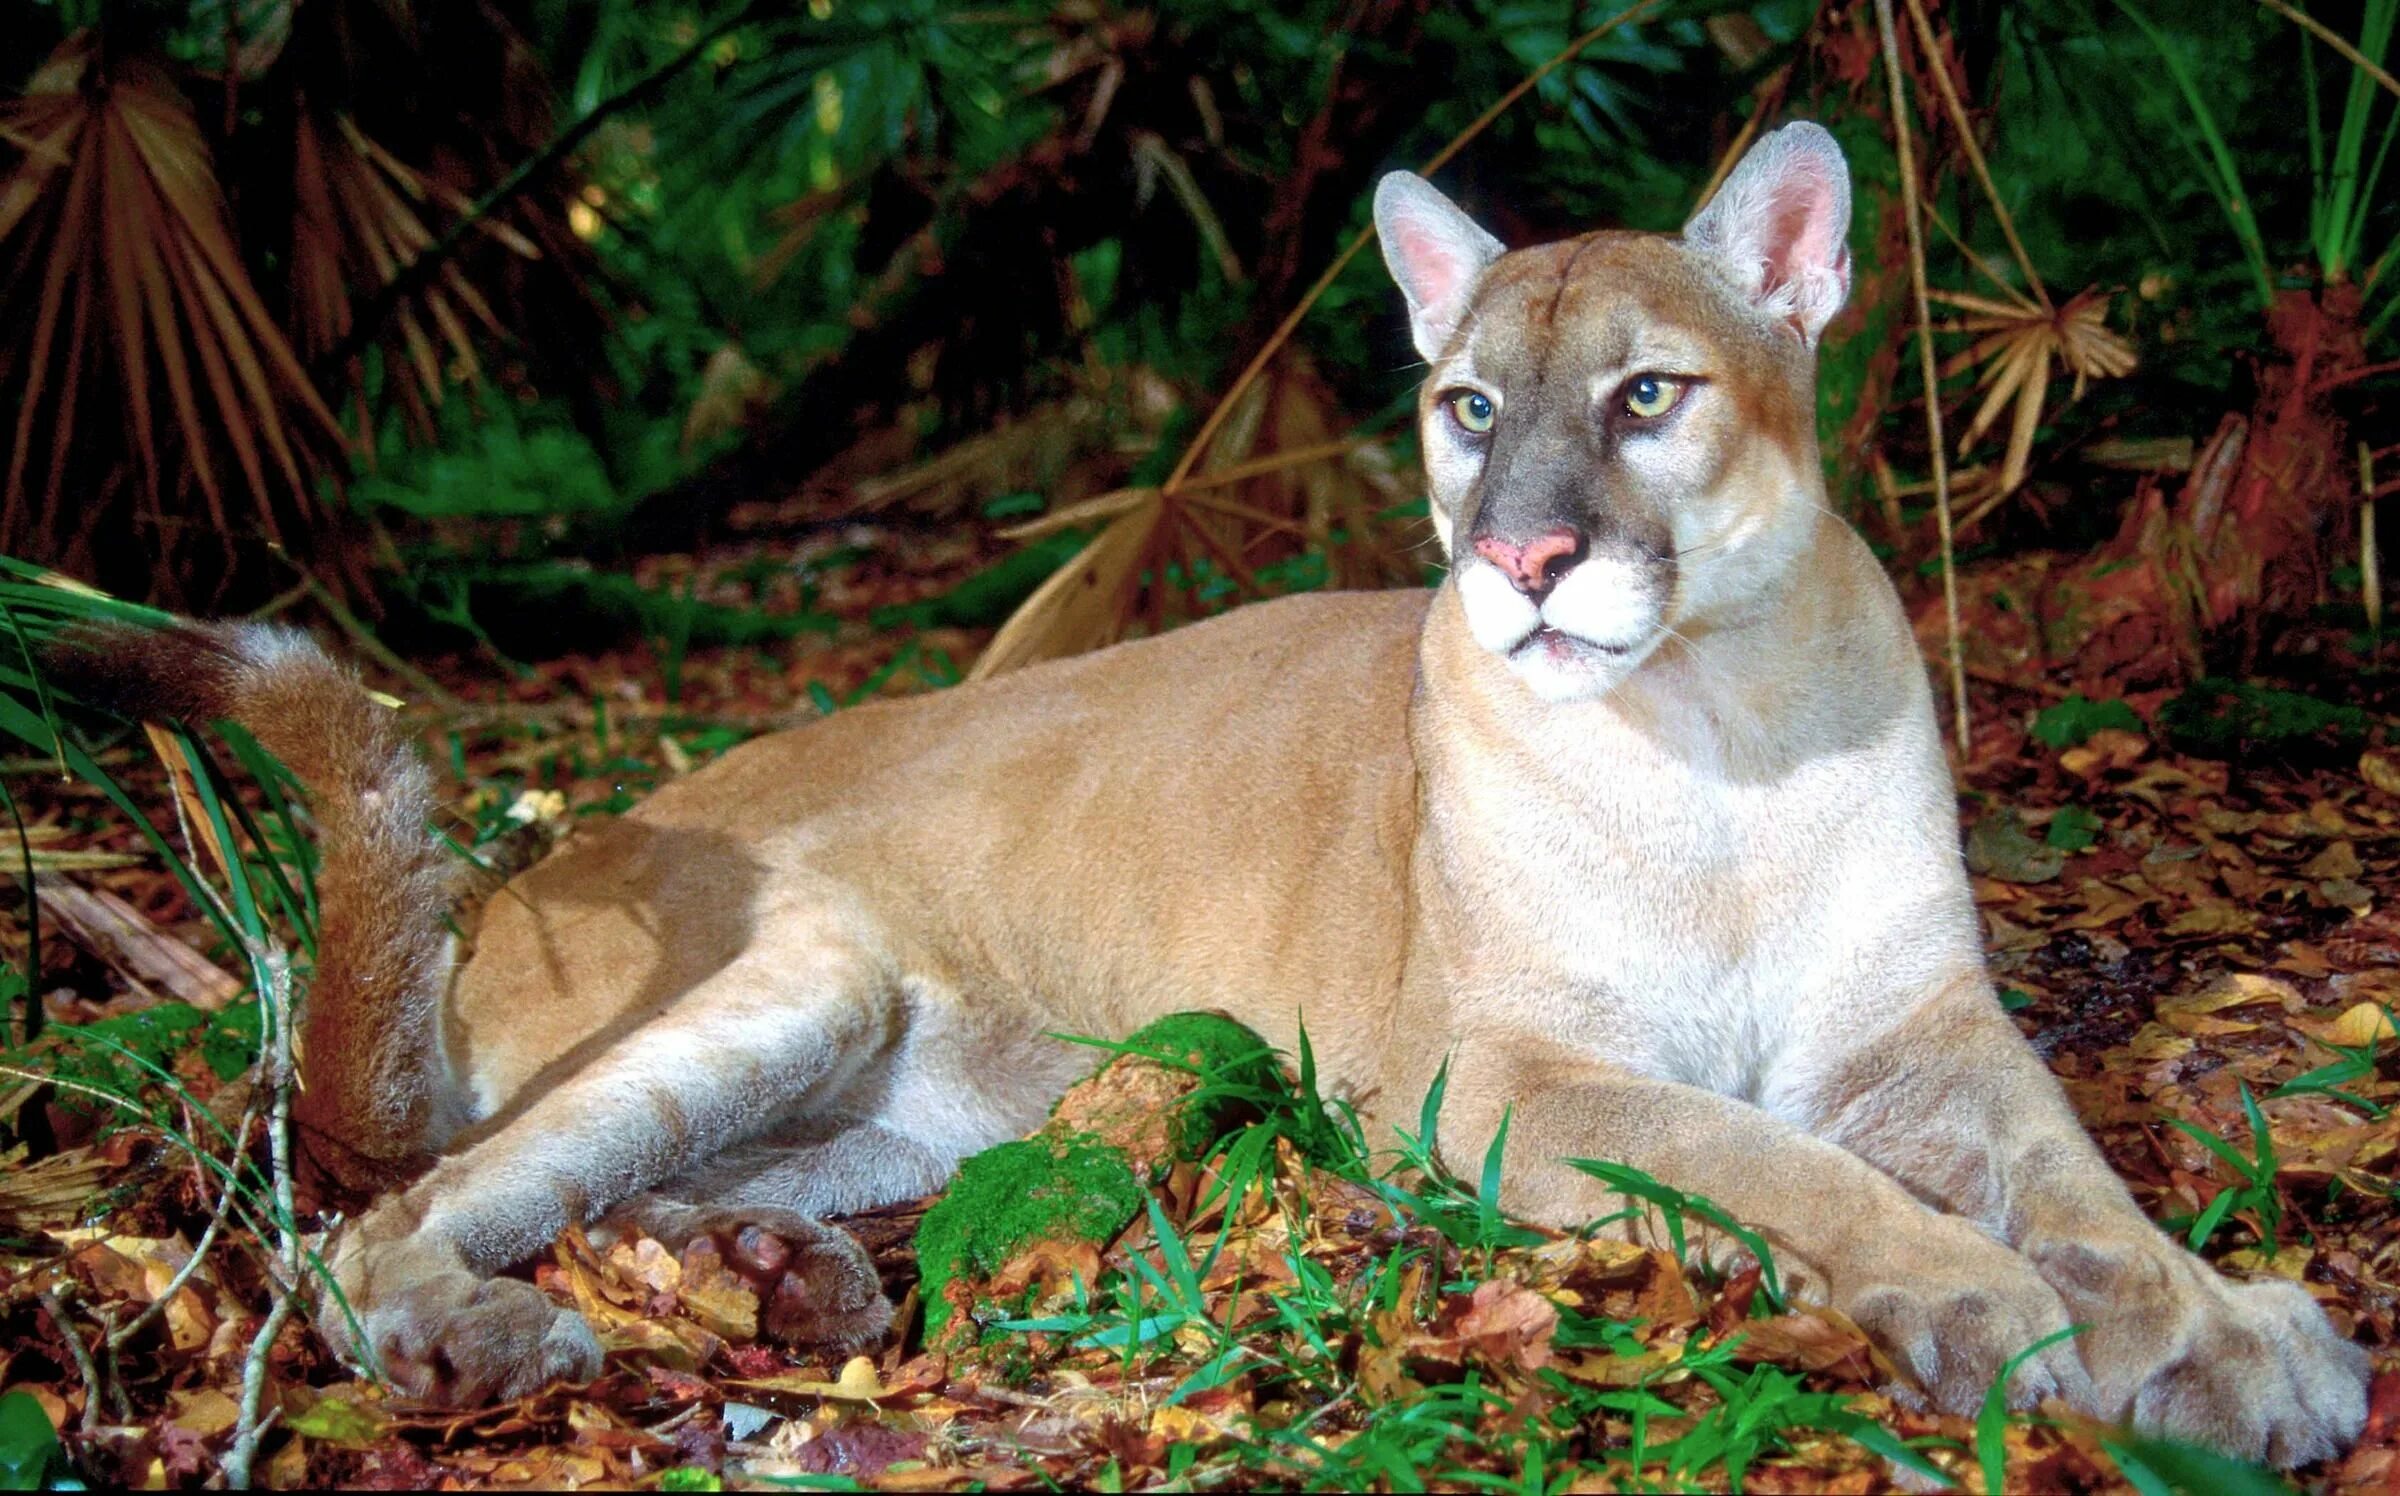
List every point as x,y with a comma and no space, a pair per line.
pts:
356,223
113,212
2015,344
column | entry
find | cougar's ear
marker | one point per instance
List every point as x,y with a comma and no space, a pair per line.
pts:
1781,225
1435,252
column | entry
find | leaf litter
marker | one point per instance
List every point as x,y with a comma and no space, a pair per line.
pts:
2206,950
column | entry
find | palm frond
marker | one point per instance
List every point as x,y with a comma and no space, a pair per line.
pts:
115,216
2017,342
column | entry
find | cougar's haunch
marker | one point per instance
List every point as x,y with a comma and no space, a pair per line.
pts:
1641,820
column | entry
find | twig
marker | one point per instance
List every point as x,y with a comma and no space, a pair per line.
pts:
2370,580
92,1393
2333,39
1282,334
1905,148
1974,152
413,276
275,1060
1741,138
208,1236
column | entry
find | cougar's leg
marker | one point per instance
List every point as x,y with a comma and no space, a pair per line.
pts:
756,1209
752,1043
1946,1301
1953,1102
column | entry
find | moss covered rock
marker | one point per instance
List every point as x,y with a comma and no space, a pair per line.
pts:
1164,1110
1050,1187
1083,1177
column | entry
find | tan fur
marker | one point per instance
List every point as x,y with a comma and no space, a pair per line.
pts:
1688,899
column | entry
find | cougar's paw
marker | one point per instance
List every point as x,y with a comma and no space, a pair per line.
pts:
2252,1369
459,1340
1953,1313
816,1285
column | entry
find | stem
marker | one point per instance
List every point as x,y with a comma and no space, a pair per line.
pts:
92,1393
208,1236
2333,39
1905,148
1974,152
2370,582
275,1009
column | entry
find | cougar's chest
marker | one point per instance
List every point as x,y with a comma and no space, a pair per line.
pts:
1656,909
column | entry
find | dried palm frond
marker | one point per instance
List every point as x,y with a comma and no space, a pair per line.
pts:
356,223
1164,554
124,277
2016,341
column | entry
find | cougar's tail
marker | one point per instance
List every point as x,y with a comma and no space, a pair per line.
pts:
371,1063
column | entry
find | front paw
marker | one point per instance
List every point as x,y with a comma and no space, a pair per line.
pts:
2252,1369
461,1341
409,1308
1953,1308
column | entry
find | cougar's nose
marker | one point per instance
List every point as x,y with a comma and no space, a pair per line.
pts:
1535,565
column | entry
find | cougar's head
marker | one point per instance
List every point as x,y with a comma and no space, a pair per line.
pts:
1619,430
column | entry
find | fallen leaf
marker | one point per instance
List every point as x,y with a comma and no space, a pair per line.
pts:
1509,1324
857,1383
2380,767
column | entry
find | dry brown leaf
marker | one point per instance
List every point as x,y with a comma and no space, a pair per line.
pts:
1509,1324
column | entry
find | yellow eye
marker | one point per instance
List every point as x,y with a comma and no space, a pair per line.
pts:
1473,411
1650,396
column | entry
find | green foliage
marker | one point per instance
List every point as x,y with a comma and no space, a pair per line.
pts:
2167,1467
119,1055
1675,1208
1756,1414
2357,1063
2072,828
1991,1420
2256,1190
2220,718
28,1444
2071,723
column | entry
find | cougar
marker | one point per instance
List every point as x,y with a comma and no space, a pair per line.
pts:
1641,820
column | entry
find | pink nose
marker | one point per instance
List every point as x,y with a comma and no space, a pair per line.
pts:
1529,565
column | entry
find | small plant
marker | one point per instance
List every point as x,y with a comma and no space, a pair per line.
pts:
1675,1207
2357,1063
2255,1194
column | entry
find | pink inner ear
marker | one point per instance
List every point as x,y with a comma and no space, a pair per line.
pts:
1799,230
1431,260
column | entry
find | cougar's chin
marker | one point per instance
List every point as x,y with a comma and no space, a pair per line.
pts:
1593,628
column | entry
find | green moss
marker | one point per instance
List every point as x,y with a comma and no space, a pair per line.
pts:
1216,1045
1007,1198
1233,1062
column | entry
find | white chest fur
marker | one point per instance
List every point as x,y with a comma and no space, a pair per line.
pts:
1695,881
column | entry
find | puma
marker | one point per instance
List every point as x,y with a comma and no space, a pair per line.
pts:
1641,820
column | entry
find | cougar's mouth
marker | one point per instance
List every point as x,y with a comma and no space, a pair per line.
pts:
1558,643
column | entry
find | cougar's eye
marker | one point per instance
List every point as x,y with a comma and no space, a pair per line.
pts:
1650,396
1473,411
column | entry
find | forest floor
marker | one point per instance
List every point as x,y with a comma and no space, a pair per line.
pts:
2184,938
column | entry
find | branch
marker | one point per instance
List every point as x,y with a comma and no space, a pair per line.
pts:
413,276
1933,379
276,1070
